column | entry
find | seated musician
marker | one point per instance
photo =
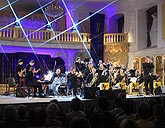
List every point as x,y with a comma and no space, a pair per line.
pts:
57,73
88,69
32,81
91,80
46,81
121,77
57,81
100,69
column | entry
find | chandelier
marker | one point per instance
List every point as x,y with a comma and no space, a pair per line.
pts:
54,10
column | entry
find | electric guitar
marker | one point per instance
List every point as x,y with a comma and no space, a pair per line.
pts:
21,73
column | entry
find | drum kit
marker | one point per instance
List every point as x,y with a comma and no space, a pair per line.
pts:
59,86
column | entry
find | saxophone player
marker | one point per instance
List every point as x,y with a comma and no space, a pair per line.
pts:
92,77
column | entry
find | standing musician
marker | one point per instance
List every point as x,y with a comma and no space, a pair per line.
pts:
28,66
72,81
147,73
20,73
80,65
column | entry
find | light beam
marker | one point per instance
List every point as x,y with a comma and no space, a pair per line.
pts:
22,29
74,25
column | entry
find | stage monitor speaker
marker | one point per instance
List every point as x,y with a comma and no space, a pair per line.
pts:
22,92
104,86
157,84
90,92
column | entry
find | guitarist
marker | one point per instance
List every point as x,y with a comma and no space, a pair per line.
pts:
20,73
29,66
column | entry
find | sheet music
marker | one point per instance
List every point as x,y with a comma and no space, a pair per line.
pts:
49,76
133,79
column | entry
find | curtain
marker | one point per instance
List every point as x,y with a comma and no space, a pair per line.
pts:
97,36
149,14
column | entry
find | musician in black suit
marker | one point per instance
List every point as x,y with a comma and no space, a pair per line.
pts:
80,65
20,73
28,66
33,81
88,69
72,81
147,73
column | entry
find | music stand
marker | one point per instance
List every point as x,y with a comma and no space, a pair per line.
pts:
157,84
104,86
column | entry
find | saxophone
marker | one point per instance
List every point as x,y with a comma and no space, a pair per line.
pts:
93,80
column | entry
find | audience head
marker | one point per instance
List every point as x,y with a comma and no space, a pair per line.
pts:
127,123
144,111
37,116
129,106
55,101
52,110
10,113
103,103
22,112
75,104
79,122
159,112
1,114
122,96
118,102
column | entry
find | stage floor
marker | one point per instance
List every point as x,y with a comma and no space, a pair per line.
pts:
16,100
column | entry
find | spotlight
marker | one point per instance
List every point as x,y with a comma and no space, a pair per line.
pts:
74,27
17,23
48,26
18,20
